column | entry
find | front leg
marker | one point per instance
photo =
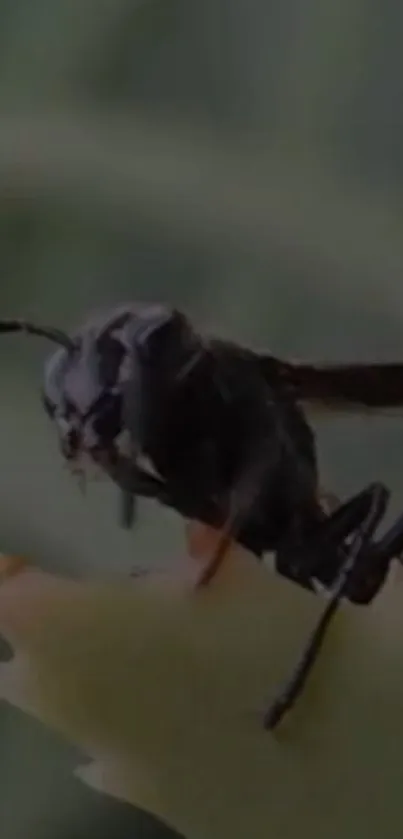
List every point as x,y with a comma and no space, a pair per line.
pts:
132,482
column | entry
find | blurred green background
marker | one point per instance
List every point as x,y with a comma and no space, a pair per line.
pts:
241,159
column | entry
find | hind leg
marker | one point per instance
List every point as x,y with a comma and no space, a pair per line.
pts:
375,500
373,563
314,562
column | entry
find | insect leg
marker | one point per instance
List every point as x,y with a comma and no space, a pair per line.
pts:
243,497
127,509
372,568
391,544
293,688
316,559
374,564
348,516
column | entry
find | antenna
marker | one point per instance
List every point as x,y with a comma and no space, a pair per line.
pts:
55,335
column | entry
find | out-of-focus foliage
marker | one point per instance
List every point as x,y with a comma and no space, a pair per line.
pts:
260,186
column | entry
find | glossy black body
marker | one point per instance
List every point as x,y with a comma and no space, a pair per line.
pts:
223,426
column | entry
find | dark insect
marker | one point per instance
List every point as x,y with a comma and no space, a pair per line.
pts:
224,430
